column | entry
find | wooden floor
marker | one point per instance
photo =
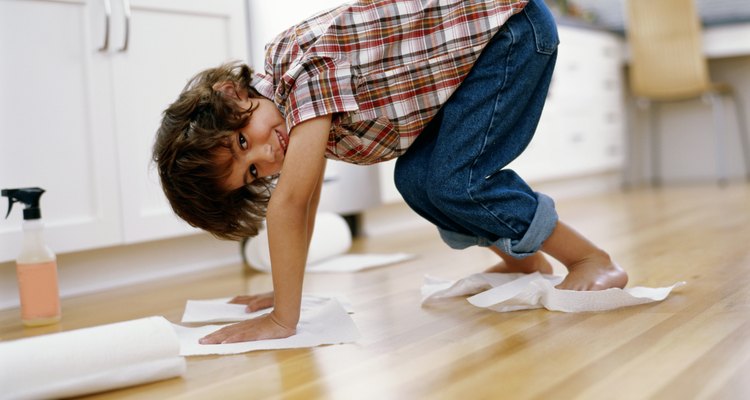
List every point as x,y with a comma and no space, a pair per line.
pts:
695,344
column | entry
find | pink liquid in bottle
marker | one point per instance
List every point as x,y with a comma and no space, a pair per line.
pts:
40,299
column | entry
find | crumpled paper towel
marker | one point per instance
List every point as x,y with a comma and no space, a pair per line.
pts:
327,323
515,291
90,360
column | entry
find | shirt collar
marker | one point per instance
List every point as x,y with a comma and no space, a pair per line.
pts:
264,85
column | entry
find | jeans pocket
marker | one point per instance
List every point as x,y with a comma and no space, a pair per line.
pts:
543,24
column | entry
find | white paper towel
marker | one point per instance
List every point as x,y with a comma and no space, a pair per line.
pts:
331,237
511,292
90,360
357,262
327,323
220,310
330,241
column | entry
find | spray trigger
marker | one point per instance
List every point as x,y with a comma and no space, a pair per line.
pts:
29,197
11,200
10,207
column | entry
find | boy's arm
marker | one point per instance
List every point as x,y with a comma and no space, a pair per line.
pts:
314,205
290,213
289,219
265,300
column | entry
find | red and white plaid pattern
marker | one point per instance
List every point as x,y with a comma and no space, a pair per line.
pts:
383,68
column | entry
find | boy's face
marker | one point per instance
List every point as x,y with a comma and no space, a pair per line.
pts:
258,149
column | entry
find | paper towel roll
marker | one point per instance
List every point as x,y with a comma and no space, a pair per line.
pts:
90,360
331,237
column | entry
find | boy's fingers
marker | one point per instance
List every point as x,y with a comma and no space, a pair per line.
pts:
213,338
259,304
241,299
221,335
255,329
240,337
247,299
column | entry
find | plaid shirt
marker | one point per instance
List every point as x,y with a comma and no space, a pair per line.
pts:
383,68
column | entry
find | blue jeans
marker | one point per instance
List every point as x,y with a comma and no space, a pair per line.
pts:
453,174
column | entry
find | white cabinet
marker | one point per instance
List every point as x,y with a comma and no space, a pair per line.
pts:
78,119
56,122
169,42
583,124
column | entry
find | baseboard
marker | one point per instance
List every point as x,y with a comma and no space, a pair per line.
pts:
108,268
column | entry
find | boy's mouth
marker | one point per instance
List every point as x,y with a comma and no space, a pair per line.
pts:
283,140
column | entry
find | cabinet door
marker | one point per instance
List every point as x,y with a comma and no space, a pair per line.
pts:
55,122
170,41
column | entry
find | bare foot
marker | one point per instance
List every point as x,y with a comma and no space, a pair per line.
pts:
533,263
597,272
589,268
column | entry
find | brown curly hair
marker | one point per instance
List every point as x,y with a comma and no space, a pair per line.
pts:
201,121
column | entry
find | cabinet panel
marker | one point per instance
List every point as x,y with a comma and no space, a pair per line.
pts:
78,118
388,192
539,160
54,123
581,129
169,42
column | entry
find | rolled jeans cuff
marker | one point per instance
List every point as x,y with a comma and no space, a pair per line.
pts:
541,227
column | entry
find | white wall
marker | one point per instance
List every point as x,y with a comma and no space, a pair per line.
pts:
268,18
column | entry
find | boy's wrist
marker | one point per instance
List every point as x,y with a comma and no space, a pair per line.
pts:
281,322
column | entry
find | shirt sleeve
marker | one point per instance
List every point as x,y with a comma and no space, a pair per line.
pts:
319,86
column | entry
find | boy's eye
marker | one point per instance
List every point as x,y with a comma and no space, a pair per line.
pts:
241,141
253,171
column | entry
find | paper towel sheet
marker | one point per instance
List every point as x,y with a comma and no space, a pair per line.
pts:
511,292
329,244
219,310
90,360
357,262
328,323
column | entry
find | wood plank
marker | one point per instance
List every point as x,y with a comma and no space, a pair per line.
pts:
696,344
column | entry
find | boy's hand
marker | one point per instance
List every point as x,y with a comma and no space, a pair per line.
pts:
254,302
260,328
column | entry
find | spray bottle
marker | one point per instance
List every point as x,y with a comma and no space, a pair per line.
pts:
36,266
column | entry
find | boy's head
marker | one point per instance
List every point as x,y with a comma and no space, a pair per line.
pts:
200,124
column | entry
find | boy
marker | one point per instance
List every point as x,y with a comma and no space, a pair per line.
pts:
453,88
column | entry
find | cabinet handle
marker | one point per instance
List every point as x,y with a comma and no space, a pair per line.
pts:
126,8
107,16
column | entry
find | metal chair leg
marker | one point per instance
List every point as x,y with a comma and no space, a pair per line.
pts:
742,130
655,150
629,177
719,114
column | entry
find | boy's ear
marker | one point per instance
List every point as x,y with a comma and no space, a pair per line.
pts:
230,90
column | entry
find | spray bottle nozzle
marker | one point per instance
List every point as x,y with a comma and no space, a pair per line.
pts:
28,196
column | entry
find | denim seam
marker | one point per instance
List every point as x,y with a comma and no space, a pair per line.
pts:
539,47
498,98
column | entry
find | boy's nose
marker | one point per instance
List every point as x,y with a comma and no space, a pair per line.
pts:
262,157
263,153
